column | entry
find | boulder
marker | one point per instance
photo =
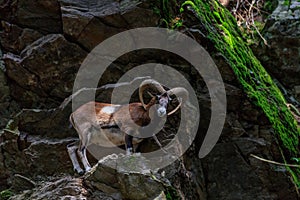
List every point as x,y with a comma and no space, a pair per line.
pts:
114,177
126,177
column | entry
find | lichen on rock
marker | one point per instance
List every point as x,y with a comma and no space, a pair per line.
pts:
221,29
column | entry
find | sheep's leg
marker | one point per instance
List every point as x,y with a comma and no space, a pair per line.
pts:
83,158
137,148
72,148
128,142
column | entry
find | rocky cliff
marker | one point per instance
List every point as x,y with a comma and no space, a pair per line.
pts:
43,45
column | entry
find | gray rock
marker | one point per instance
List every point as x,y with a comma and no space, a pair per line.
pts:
233,174
46,68
39,72
297,91
126,177
42,15
59,188
282,32
15,39
8,107
47,156
91,22
40,156
20,183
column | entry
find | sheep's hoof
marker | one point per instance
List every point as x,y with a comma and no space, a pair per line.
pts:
129,151
88,169
80,172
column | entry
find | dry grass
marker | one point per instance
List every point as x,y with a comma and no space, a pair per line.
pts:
251,16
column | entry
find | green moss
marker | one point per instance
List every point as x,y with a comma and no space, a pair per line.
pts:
287,2
222,30
164,10
171,193
6,194
225,35
270,5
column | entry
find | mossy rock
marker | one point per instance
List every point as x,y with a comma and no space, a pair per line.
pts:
222,30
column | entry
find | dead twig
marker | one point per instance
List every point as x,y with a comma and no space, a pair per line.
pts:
246,12
264,40
274,162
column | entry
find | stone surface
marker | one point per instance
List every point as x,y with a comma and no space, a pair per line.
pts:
40,15
102,182
20,183
47,69
38,73
53,123
282,32
15,39
34,155
60,188
126,177
89,23
243,177
8,106
297,91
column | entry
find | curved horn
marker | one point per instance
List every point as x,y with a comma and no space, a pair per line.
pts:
149,83
181,94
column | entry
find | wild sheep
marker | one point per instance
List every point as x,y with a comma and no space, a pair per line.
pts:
109,125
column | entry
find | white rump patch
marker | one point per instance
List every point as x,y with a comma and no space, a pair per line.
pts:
110,109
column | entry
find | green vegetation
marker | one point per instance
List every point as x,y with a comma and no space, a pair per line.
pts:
171,193
270,5
6,194
225,35
223,31
287,2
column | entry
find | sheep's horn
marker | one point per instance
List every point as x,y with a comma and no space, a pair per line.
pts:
181,94
149,83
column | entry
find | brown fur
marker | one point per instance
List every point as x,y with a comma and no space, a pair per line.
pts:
91,114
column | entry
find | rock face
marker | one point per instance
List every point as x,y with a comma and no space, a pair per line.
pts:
32,155
51,77
89,23
125,177
246,177
282,33
112,178
8,107
44,44
85,24
60,188
43,16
